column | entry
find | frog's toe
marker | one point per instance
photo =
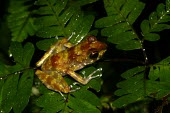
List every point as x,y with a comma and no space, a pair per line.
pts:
73,90
72,86
99,75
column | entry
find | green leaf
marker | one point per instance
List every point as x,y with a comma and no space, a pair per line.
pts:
65,19
22,55
132,89
152,87
118,25
158,85
160,70
114,30
154,73
20,21
45,44
145,26
3,74
164,90
93,32
89,97
121,92
112,7
78,101
14,69
27,56
125,36
164,72
48,20
127,99
108,21
51,102
152,37
48,32
14,95
130,45
156,23
82,29
81,106
131,10
167,4
3,69
152,20
128,85
23,91
160,9
8,93
85,2
136,9
160,27
132,72
156,89
84,101
16,51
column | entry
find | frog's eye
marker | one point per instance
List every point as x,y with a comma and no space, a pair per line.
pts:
94,55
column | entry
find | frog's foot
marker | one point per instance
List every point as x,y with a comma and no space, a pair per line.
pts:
91,75
83,80
71,87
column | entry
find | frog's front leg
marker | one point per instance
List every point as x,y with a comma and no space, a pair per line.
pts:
84,80
53,81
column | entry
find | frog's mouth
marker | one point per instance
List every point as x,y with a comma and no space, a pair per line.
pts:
101,54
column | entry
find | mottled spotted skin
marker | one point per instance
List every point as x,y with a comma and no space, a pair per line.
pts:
64,59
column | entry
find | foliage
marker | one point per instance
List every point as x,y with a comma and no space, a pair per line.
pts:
15,90
46,21
61,18
121,15
120,31
20,21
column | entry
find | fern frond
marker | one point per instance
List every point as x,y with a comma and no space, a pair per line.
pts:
157,22
20,21
134,88
131,89
118,25
20,56
53,102
160,70
8,93
63,18
15,90
159,76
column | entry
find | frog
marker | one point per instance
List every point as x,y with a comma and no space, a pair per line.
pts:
64,58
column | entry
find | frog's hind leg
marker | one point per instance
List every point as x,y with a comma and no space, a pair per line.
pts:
56,82
46,55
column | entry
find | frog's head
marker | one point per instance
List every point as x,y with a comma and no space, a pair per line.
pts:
95,48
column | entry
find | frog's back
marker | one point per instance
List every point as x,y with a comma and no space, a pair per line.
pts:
76,57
